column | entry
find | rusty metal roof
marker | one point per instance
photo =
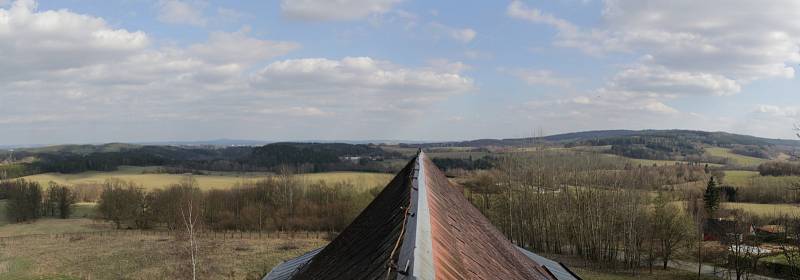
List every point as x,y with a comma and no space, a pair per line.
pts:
419,227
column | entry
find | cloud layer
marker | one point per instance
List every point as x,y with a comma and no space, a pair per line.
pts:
685,48
61,68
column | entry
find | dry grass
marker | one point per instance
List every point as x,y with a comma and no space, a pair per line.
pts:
735,159
53,226
739,177
136,256
765,210
657,274
215,181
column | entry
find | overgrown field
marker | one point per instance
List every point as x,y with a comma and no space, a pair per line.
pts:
735,159
216,180
144,256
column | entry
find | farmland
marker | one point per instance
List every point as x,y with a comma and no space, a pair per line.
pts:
216,180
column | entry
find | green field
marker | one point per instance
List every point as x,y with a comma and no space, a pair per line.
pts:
735,159
739,177
215,180
765,210
644,274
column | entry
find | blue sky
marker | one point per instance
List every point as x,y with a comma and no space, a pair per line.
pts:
99,71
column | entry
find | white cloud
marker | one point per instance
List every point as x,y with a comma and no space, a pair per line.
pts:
778,111
323,10
237,47
519,10
90,73
770,121
445,65
694,47
659,80
182,12
540,77
53,40
358,76
464,35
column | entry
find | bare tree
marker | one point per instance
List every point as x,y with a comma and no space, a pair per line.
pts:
797,130
191,218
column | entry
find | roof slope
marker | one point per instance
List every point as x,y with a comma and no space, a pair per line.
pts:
362,250
419,227
466,245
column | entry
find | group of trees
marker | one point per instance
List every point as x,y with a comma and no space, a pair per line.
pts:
280,202
26,201
604,210
779,168
587,205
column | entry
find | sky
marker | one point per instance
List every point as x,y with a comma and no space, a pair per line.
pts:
94,71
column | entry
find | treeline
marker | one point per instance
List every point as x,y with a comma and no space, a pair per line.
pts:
659,147
277,203
448,164
779,168
752,151
26,201
555,169
16,170
302,157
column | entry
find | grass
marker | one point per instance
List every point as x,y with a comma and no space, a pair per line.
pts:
734,159
657,274
136,256
215,180
53,226
79,221
739,177
765,210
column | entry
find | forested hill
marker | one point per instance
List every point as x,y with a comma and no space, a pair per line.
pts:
301,157
686,145
595,136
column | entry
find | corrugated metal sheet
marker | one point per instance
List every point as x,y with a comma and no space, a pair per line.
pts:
465,244
363,249
287,269
558,270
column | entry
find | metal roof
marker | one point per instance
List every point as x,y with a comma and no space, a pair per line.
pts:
287,269
420,227
559,270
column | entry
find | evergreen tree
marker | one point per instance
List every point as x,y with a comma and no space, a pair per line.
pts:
711,197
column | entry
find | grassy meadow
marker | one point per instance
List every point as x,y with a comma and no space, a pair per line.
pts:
215,180
735,159
765,210
132,255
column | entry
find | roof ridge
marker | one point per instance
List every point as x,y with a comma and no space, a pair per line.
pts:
415,260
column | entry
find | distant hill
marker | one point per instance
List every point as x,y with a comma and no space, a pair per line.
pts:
711,138
688,145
